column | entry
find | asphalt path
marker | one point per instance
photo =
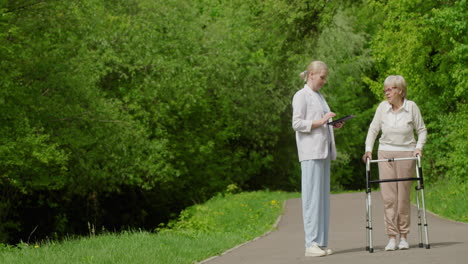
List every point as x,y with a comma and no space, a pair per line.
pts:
285,245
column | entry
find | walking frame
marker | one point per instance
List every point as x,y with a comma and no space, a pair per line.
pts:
419,191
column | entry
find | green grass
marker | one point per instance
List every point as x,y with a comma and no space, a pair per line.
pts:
447,199
201,231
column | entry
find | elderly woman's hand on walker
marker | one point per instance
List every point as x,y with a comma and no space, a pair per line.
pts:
368,154
417,152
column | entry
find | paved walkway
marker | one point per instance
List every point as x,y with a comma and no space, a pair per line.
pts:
448,239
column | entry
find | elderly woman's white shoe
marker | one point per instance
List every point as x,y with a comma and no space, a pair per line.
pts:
403,244
391,246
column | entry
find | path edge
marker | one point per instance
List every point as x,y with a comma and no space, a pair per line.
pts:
272,229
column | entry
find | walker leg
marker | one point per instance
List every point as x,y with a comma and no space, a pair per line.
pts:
367,223
419,218
371,248
421,189
425,220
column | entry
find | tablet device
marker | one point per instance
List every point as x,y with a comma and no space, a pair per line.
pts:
341,119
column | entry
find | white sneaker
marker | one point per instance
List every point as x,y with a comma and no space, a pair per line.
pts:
328,251
391,245
314,251
403,244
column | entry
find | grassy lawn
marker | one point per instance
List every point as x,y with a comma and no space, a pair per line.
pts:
201,231
448,199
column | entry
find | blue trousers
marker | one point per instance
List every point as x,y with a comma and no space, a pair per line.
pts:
316,200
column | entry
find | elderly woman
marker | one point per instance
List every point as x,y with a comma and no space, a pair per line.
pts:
398,118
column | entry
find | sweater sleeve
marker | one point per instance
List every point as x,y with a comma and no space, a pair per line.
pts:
374,129
419,127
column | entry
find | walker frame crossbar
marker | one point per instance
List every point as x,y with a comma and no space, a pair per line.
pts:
421,210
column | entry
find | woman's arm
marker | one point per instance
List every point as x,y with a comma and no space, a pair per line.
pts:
420,130
299,112
299,123
323,121
372,133
374,129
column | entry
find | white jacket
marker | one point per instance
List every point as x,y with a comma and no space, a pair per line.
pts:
311,143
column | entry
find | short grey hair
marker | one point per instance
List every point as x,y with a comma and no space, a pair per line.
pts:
396,81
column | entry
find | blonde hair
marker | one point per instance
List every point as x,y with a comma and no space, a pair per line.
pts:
314,67
396,81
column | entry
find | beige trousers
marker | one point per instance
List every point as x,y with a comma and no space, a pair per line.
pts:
396,195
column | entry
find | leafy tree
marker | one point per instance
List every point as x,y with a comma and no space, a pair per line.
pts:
427,42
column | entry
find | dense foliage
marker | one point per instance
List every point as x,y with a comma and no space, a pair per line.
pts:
122,113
